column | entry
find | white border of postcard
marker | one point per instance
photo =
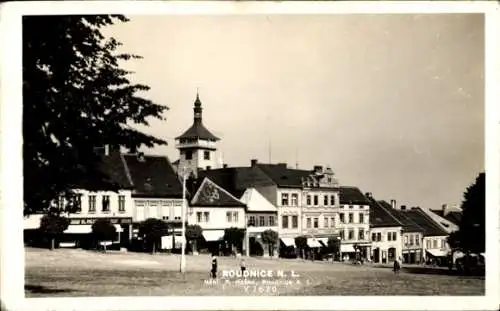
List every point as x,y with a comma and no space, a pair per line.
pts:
12,252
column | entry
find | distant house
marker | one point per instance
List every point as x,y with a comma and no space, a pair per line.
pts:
412,233
354,222
435,244
449,217
93,201
214,209
386,233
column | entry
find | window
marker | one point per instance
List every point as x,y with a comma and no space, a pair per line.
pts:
284,222
332,200
207,216
351,218
316,222
77,202
417,240
60,202
411,239
325,220
443,244
361,234
379,236
295,221
92,200
295,199
361,218
284,199
165,217
351,234
235,216
308,222
428,244
189,155
105,203
342,220
121,203
262,221
395,236
229,216
351,206
206,155
325,200
198,217
406,240
342,235
251,221
332,222
316,200
271,221
434,244
389,236
308,199
374,237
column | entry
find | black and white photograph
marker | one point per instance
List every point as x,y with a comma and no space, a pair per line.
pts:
255,154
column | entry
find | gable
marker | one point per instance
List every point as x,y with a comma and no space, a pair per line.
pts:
256,202
211,194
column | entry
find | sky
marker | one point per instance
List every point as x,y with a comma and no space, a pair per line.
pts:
394,104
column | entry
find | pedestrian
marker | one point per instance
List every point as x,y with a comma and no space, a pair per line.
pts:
397,265
214,265
243,266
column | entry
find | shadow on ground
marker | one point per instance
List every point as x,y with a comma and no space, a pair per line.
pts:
37,289
440,271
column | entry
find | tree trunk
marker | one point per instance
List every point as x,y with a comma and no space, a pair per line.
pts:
104,246
154,247
195,249
52,243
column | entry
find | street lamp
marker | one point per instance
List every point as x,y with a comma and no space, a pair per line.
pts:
183,240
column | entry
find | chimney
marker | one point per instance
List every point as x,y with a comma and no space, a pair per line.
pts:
403,207
224,165
253,162
444,207
393,204
368,195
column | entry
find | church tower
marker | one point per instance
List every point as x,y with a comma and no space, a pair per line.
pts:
197,146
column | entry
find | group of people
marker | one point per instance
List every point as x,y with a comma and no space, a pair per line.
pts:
213,271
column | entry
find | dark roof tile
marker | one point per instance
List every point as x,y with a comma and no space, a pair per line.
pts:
381,217
198,131
352,195
430,228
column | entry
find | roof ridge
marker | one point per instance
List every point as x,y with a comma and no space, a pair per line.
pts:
387,212
411,220
421,211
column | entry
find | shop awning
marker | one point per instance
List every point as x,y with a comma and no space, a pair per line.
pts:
323,241
313,243
213,235
437,252
288,241
79,229
347,248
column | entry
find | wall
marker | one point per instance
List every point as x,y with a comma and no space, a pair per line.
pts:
439,241
198,160
113,208
161,208
320,211
385,244
356,225
289,211
217,218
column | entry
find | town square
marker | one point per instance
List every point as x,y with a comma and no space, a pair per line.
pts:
254,155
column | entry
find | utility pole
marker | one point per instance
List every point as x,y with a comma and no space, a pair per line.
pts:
183,252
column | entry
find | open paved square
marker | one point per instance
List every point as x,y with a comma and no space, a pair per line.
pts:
66,273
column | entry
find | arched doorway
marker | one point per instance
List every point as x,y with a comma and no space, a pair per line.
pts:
391,254
376,255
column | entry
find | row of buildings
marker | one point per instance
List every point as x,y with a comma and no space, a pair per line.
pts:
257,197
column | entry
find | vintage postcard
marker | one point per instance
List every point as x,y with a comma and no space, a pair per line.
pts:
250,155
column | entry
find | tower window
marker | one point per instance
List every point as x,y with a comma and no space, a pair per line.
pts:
189,155
206,155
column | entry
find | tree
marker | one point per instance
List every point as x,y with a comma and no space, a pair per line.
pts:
234,237
333,245
53,226
152,229
103,230
472,231
76,97
270,237
301,243
194,234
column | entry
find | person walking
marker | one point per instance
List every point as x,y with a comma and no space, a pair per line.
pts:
243,266
214,266
397,265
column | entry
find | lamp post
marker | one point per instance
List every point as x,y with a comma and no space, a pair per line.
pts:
183,251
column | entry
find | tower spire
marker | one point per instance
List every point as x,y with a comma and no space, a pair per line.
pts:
197,108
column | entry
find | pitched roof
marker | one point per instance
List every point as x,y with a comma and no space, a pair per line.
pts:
408,224
153,176
430,228
256,202
381,217
236,180
283,176
453,216
113,170
198,131
210,194
352,195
